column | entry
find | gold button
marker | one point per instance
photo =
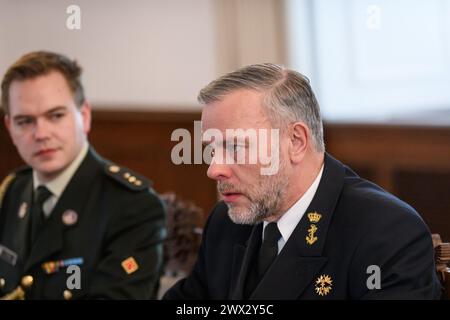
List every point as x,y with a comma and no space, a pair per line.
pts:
132,179
114,169
67,294
138,183
2,283
126,175
27,281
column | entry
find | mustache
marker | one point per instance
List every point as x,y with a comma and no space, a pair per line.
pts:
224,187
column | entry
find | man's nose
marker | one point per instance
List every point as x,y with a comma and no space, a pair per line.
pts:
218,171
41,130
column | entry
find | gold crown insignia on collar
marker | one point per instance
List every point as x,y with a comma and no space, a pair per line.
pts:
314,217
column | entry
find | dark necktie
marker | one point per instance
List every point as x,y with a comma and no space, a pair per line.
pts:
267,254
37,213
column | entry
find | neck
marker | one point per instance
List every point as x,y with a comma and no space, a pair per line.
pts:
46,178
300,179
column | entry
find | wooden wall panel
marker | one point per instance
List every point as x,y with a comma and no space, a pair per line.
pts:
9,159
412,162
428,191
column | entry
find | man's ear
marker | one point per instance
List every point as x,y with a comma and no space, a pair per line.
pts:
7,120
86,114
299,139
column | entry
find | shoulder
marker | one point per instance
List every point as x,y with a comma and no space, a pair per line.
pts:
124,189
19,174
129,196
365,203
125,177
131,190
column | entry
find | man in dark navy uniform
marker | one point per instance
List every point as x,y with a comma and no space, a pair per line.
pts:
72,224
308,228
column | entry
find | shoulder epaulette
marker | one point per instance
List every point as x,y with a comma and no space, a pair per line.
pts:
126,177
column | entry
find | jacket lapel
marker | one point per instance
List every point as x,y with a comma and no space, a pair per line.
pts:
243,257
74,197
22,218
300,261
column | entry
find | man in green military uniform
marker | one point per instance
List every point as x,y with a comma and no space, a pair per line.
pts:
72,224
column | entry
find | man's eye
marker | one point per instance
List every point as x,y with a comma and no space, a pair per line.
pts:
56,116
24,122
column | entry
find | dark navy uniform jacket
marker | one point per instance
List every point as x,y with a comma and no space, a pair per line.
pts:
108,222
352,232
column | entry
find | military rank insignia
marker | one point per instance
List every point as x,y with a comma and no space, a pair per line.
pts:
130,265
323,285
314,218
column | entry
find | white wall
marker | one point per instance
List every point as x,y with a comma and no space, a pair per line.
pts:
140,52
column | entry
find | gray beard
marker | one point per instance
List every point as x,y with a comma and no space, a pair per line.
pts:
266,204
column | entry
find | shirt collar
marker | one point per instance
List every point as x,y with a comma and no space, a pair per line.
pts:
57,185
289,220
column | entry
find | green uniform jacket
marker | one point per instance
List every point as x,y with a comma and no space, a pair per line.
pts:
108,222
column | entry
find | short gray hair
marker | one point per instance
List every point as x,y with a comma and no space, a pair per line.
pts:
288,95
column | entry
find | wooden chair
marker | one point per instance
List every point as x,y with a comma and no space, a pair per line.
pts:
184,231
442,259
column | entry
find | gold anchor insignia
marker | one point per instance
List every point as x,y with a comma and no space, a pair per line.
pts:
311,238
323,285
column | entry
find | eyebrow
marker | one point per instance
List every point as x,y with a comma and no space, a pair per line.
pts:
55,109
